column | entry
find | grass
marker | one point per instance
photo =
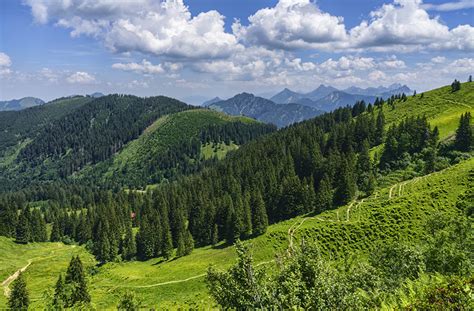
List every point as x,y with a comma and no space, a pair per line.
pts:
218,150
376,220
48,260
442,108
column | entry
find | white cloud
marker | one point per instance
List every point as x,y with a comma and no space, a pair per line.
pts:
144,67
292,24
349,63
5,60
450,6
148,26
377,76
402,26
438,59
5,63
393,63
80,77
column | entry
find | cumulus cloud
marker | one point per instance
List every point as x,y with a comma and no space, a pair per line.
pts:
143,67
5,63
403,26
80,77
148,26
292,24
450,6
406,25
438,59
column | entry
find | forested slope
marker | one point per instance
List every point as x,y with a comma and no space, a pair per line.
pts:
173,145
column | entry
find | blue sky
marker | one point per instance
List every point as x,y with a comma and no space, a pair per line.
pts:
199,49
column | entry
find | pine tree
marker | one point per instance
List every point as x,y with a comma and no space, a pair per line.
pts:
259,214
102,248
464,136
455,86
181,246
365,174
129,247
167,243
55,233
60,297
380,128
324,195
23,235
76,278
470,78
19,297
346,186
188,243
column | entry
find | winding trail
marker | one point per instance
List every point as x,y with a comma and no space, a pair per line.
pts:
13,277
174,281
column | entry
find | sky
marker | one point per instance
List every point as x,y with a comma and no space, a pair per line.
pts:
198,49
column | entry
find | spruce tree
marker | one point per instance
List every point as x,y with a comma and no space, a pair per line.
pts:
55,233
19,297
75,277
129,247
464,136
23,234
365,174
346,186
324,196
259,214
102,247
188,243
470,78
60,297
380,128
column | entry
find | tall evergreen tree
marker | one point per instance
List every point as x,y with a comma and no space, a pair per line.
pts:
19,297
464,136
259,214
324,196
55,232
129,247
23,234
76,278
346,186
380,128
365,172
60,296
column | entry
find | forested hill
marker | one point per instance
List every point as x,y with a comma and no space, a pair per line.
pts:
88,134
176,144
18,126
115,140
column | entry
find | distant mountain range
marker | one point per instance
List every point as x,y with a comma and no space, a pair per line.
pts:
19,104
211,101
265,110
328,98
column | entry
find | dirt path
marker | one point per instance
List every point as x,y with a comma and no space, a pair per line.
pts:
174,281
458,103
349,210
11,278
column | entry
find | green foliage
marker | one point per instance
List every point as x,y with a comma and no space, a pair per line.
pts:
19,297
464,136
129,302
76,280
455,86
242,287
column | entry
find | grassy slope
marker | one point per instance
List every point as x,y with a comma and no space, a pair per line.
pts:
47,261
375,220
167,131
442,107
